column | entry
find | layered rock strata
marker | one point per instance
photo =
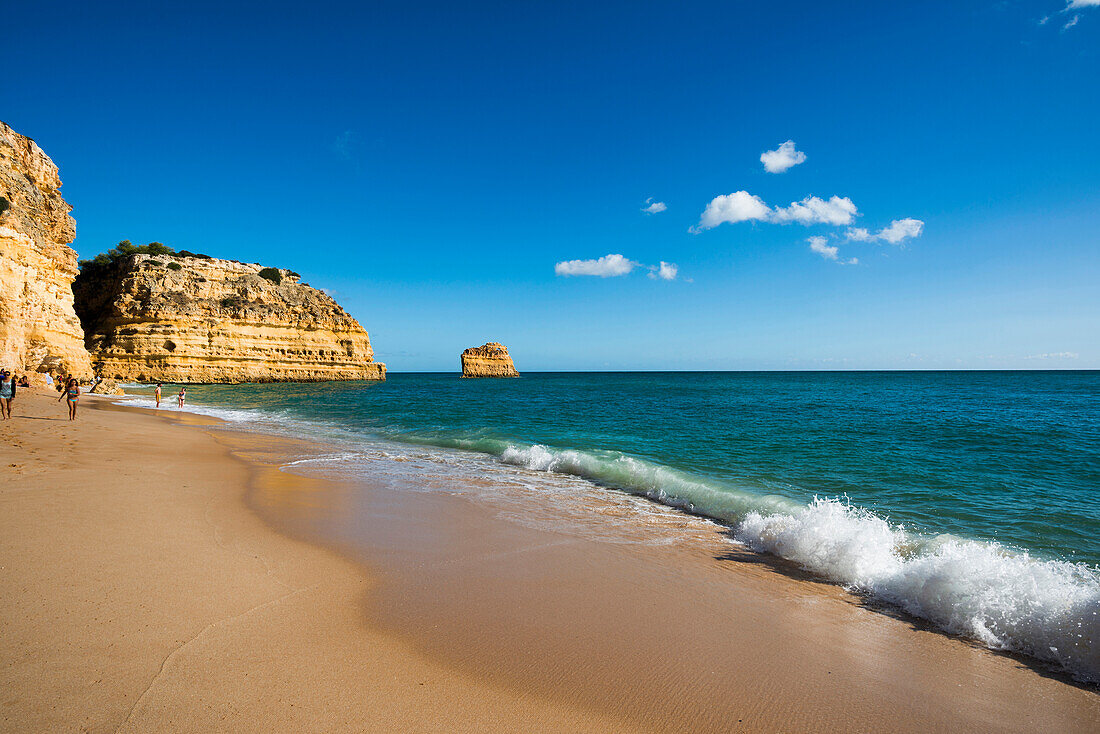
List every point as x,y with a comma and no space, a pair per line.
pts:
488,360
107,387
39,330
172,318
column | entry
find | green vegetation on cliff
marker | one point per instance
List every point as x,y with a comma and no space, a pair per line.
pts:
127,248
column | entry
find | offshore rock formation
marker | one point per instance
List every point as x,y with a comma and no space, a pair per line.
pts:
185,318
488,360
39,330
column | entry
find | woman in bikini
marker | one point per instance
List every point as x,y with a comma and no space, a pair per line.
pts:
7,393
182,396
72,392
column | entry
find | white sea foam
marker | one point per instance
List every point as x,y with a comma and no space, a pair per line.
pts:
982,590
1008,601
168,405
342,457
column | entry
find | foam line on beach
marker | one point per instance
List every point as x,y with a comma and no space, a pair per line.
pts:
1005,599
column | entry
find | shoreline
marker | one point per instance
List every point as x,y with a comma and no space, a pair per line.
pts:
526,628
139,593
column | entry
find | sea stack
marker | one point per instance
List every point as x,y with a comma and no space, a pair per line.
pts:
488,360
182,317
39,330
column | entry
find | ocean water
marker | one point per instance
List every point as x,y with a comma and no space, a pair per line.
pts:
968,499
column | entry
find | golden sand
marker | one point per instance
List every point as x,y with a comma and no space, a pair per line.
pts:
140,590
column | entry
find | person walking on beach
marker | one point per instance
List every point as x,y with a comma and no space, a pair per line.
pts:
7,394
157,393
72,392
181,396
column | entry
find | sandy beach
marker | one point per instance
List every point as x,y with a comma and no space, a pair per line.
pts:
157,574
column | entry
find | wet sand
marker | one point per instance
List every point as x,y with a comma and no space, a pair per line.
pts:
140,590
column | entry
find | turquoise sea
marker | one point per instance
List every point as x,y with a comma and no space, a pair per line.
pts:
968,499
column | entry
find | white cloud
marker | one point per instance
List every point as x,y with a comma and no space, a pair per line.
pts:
898,231
654,207
821,246
611,266
740,206
608,266
1075,5
666,271
1054,355
782,158
813,210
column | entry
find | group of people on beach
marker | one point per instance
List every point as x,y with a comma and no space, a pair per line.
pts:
181,396
69,387
9,384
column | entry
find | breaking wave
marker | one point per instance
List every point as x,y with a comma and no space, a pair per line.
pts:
1005,599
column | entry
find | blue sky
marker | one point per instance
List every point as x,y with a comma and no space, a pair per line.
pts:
431,164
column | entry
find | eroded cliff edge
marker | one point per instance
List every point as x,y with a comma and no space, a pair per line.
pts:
39,329
176,318
488,360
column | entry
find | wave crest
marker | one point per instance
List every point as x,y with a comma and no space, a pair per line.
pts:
1008,601
982,590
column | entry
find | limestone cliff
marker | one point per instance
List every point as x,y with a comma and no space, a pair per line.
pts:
488,360
177,318
39,330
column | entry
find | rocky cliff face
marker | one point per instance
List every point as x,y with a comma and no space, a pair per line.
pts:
171,318
488,360
39,330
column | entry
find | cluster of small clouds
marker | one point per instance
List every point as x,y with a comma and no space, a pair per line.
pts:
1072,5
613,266
616,265
1054,355
836,211
742,206
895,233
